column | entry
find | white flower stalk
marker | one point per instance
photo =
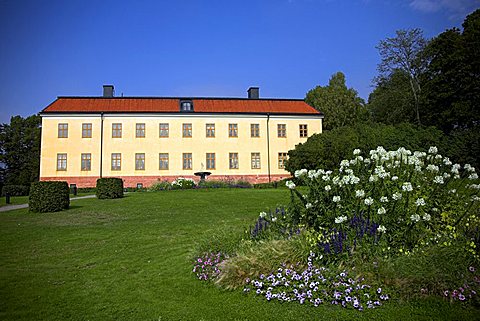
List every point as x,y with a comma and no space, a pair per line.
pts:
407,187
336,199
433,150
381,211
274,219
394,178
420,202
308,206
426,217
473,176
432,168
360,193
438,180
415,218
290,184
397,196
300,172
469,168
356,151
340,219
382,229
262,214
383,199
368,201
328,188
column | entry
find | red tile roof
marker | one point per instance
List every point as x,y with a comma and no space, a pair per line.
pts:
172,105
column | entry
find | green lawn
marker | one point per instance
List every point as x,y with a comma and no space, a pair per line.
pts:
130,259
14,200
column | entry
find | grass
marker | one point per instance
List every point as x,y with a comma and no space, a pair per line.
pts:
15,200
131,259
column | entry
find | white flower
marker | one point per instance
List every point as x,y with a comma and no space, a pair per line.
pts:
407,187
328,187
397,196
455,168
469,168
438,156
359,193
263,214
432,168
420,202
312,174
308,206
373,178
336,199
433,150
340,219
475,186
356,151
274,219
438,179
300,172
366,160
381,210
415,217
473,176
368,201
383,199
394,178
344,163
426,217
447,161
475,198
452,191
418,168
290,184
326,178
381,229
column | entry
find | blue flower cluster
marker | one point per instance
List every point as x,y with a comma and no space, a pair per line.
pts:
316,285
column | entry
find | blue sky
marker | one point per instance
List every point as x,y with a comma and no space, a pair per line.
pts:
199,48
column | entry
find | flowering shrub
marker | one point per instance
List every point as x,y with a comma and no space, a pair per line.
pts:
206,267
317,285
388,202
183,183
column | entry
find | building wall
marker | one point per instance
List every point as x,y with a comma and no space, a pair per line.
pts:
175,145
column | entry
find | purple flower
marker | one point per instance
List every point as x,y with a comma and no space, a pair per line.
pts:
461,297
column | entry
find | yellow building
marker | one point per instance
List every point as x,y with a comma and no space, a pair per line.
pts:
148,139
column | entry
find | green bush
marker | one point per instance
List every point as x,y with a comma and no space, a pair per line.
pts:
328,149
86,190
183,183
160,186
49,197
15,190
108,188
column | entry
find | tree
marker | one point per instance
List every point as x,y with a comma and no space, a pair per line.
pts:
392,102
20,150
341,105
452,79
405,53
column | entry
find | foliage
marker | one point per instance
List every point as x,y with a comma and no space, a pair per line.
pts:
464,146
340,105
20,150
209,183
183,183
89,190
160,186
386,203
326,150
49,196
452,79
109,188
15,190
405,53
317,285
392,101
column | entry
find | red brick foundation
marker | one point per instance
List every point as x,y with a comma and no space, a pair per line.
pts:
132,181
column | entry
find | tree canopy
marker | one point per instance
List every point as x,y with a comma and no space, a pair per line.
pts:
341,105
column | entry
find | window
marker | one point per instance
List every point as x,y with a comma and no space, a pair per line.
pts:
254,130
255,160
282,130
86,163
187,160
86,130
210,160
282,157
139,185
186,105
210,130
187,130
61,162
232,130
140,131
62,130
139,161
117,130
233,160
303,130
163,161
163,130
116,161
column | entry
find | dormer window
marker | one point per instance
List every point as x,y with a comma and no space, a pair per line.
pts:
186,105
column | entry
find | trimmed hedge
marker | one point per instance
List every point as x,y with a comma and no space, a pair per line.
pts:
15,190
108,188
49,197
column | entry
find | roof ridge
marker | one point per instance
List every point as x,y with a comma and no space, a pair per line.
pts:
182,97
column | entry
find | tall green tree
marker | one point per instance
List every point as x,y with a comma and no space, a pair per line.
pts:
452,79
405,53
20,150
341,105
